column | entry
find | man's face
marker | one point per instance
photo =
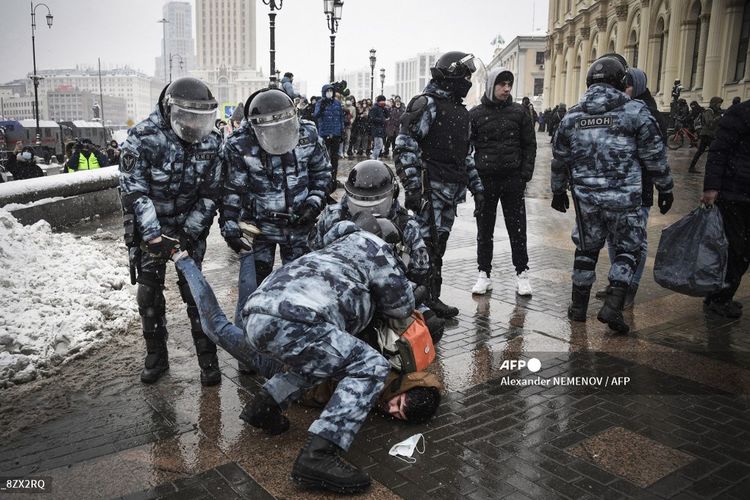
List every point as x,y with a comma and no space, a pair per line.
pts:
396,406
629,91
502,90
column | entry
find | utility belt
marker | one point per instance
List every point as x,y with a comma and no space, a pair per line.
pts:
278,218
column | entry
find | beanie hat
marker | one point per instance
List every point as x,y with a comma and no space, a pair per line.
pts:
380,98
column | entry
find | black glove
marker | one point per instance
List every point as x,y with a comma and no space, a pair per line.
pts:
478,204
308,215
560,202
665,202
420,294
413,201
164,248
239,244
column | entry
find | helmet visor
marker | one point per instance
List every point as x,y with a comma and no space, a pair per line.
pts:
192,122
464,67
377,207
277,133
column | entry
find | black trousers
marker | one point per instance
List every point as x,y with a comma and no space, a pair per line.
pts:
509,191
332,144
705,142
736,216
389,143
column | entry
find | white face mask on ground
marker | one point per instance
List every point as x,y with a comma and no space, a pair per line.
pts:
405,449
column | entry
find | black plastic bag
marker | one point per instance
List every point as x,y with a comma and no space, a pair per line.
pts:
692,255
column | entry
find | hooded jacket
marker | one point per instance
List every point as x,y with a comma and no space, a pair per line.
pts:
601,146
288,87
502,133
329,114
711,117
728,165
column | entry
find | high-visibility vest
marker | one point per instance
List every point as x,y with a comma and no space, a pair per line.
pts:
91,163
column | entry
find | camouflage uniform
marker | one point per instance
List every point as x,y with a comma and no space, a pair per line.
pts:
599,149
306,314
171,188
271,190
434,140
419,259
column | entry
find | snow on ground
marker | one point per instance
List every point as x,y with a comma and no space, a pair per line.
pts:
59,296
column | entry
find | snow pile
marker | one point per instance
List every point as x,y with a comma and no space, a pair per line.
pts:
59,296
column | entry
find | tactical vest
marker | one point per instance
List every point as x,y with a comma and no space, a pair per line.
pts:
445,148
91,163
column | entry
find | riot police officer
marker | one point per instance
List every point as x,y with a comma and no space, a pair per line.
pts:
277,177
170,177
434,163
600,147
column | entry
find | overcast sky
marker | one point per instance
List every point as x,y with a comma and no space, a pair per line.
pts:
125,32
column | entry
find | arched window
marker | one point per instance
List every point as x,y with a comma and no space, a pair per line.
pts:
634,48
659,52
739,67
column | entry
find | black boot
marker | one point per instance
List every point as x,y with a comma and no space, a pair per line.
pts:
611,311
207,360
579,303
157,359
265,413
319,465
440,308
630,297
435,325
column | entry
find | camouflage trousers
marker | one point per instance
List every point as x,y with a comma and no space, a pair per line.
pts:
626,231
313,354
445,200
292,245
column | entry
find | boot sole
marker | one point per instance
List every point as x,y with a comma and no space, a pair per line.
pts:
208,382
321,484
618,327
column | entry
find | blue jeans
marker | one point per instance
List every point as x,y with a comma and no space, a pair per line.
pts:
644,250
377,147
215,324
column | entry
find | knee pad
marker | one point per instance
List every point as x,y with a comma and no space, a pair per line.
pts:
585,260
150,297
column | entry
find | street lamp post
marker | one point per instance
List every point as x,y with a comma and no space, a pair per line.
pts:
382,80
182,62
273,5
332,10
36,77
372,71
164,22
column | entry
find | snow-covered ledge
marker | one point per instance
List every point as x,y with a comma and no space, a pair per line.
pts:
62,199
54,186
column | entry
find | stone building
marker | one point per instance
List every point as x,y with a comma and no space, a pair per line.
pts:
703,43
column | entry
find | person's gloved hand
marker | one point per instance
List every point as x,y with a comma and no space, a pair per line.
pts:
413,201
307,215
420,294
560,202
163,246
665,202
239,244
478,204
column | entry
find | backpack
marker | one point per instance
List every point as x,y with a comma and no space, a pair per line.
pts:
699,121
406,344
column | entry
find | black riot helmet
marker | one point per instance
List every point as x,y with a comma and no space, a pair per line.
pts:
391,234
371,187
452,72
608,70
189,107
274,120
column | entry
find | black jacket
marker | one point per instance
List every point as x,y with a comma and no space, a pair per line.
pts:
728,165
648,182
377,117
504,139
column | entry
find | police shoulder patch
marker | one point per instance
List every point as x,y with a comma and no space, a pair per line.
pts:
594,122
204,156
127,162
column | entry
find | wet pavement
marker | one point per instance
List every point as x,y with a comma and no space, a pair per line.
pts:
660,413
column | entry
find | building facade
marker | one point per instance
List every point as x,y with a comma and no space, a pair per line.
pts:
21,107
178,43
358,82
70,104
226,49
703,43
412,75
133,86
226,34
